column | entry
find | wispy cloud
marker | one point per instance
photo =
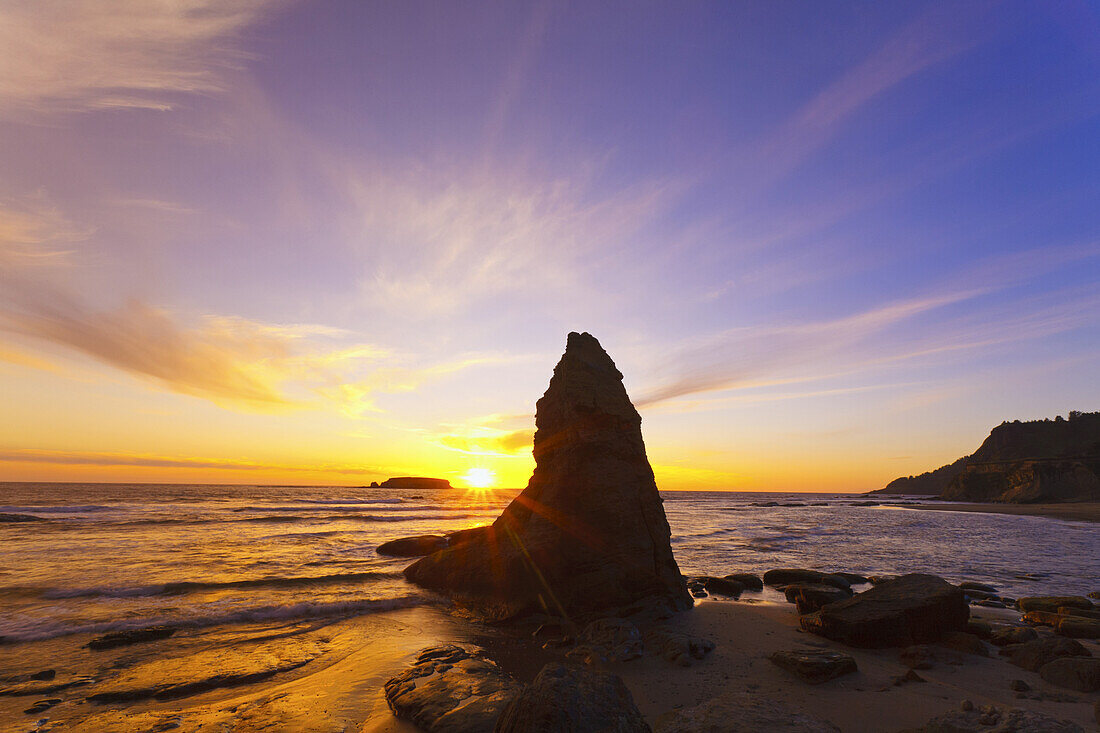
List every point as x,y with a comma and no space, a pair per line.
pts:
226,359
93,458
81,55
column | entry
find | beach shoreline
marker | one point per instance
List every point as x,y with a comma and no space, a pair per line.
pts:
1074,512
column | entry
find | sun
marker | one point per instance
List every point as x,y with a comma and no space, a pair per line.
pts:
479,478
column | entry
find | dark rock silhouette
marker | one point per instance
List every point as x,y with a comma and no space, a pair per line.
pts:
424,544
589,532
415,482
568,698
1022,462
913,609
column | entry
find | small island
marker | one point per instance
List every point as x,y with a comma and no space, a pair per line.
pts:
412,482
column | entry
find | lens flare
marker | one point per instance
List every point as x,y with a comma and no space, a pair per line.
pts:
479,478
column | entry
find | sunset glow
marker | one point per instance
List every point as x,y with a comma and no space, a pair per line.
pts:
278,242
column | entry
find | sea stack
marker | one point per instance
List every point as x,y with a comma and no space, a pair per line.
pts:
589,532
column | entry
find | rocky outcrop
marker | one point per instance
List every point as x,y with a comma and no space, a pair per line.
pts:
1033,655
589,532
814,665
1076,673
565,698
787,576
415,482
913,609
419,546
1023,462
451,689
929,483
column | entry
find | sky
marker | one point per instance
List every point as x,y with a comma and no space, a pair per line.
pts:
265,241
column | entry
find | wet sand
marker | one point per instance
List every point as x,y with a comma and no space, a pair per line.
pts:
1079,511
342,689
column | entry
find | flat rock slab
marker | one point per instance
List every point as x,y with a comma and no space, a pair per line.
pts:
132,636
742,712
996,721
569,699
451,689
814,665
1075,673
1033,655
913,609
680,649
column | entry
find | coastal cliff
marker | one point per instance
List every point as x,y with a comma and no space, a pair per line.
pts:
415,482
1022,462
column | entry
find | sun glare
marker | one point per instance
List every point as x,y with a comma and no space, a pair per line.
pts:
479,478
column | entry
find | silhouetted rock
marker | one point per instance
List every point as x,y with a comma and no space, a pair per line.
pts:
589,532
1075,673
810,597
930,483
133,636
568,699
1032,655
814,665
964,642
723,586
1012,635
424,544
450,689
913,609
415,482
1052,603
751,581
853,578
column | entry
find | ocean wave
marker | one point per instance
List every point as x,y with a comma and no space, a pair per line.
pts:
56,509
41,630
190,586
350,501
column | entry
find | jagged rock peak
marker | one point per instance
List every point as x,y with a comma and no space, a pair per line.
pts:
589,532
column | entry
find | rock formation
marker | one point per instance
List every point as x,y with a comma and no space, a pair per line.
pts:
589,532
415,482
1022,462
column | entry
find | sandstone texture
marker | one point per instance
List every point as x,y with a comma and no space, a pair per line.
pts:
589,532
568,699
451,689
913,609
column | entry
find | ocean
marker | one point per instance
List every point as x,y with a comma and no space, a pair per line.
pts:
220,561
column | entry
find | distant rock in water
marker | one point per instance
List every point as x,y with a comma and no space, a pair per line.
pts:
589,532
929,483
415,482
1022,463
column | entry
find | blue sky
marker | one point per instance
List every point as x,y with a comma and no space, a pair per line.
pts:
827,243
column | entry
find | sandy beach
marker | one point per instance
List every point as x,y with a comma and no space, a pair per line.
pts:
1085,511
343,692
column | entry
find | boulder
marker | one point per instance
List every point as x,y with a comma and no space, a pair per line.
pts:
913,609
680,649
1033,655
589,532
963,642
1076,673
1078,628
723,586
611,639
132,636
751,581
991,720
1093,613
1012,635
741,712
979,628
1052,603
451,689
570,699
810,597
854,578
424,544
814,665
786,576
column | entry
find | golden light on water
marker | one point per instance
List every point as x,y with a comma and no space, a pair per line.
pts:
479,478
